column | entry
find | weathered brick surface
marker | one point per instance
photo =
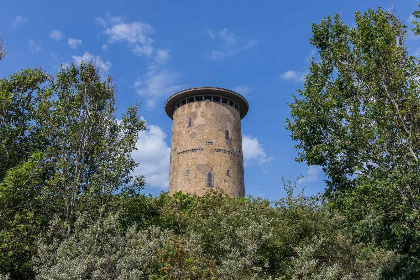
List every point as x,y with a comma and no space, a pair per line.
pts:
210,120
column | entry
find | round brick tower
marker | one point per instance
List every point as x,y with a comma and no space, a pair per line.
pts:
206,150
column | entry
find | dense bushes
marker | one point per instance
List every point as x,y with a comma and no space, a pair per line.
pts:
210,237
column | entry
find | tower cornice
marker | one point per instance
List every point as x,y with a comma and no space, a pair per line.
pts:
172,101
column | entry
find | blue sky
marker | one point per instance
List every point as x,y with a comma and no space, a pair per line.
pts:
152,49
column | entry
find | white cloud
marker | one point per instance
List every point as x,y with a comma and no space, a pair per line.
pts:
153,154
138,36
253,151
293,76
17,21
161,56
74,43
56,35
244,90
108,20
34,47
312,175
227,44
227,37
155,84
95,60
146,50
135,32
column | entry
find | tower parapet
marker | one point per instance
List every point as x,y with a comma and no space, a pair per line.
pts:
206,150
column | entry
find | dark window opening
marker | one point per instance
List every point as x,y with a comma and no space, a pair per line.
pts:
191,99
228,172
227,134
209,179
187,172
231,103
198,98
207,98
216,98
236,107
189,122
183,102
224,100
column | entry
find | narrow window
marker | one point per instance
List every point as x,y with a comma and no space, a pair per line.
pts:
209,179
227,134
228,172
189,122
187,172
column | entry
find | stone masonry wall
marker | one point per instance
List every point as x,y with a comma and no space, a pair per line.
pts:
189,150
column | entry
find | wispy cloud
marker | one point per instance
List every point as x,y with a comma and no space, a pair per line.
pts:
156,84
137,34
161,56
95,60
244,90
293,76
153,155
253,151
74,43
34,46
56,35
227,44
312,175
18,21
158,81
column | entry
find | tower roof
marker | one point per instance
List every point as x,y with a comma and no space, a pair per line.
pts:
236,97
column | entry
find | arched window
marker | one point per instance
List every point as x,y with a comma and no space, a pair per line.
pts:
227,135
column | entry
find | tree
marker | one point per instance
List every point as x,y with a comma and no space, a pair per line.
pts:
62,149
358,117
87,147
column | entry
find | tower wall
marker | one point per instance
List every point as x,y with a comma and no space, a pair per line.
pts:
199,146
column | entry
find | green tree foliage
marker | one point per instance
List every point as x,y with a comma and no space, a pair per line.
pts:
210,237
61,148
18,101
358,117
88,149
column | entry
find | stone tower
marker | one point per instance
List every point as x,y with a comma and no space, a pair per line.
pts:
206,150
